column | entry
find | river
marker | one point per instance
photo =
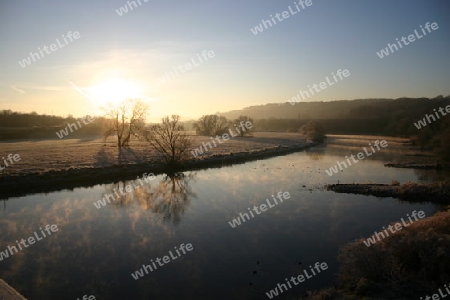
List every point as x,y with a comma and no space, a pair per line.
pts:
95,250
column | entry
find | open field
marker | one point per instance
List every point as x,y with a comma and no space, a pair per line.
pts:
39,156
53,165
56,155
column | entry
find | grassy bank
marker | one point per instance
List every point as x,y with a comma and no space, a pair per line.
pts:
438,192
409,264
16,185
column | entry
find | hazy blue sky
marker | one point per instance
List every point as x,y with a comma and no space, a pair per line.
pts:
141,45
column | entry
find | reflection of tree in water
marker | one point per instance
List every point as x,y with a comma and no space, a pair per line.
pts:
4,204
431,175
169,197
89,248
315,155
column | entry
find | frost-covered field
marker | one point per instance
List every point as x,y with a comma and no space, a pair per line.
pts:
46,155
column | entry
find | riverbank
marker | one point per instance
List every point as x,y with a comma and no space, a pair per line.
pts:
438,192
423,166
9,293
409,264
129,162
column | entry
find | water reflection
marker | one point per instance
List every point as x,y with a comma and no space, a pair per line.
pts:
431,175
95,250
82,252
315,154
169,197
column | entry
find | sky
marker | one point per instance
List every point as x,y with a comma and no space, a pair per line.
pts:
123,56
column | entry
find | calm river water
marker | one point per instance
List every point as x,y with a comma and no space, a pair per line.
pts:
95,251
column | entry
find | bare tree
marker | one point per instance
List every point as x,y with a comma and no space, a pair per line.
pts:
244,120
125,120
313,131
211,125
170,140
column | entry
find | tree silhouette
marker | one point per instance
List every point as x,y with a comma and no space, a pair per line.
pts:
125,120
170,140
211,125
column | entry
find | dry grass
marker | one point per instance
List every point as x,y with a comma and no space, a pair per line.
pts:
408,264
47,155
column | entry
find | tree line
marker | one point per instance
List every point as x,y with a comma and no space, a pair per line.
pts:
372,117
127,121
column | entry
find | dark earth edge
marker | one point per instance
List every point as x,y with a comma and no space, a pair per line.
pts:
438,192
429,166
51,181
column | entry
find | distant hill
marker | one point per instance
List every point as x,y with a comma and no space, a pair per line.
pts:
304,110
341,109
417,118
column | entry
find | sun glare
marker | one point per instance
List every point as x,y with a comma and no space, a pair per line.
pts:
113,91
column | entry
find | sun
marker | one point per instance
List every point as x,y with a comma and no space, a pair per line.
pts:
106,91
113,91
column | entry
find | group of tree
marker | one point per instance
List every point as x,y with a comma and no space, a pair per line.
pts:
211,125
371,116
8,118
169,138
17,125
314,131
391,117
127,120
